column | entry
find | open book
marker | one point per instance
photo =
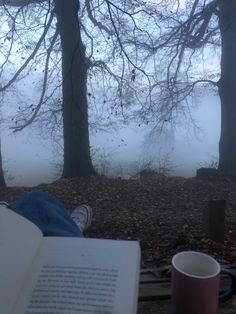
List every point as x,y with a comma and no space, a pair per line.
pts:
57,275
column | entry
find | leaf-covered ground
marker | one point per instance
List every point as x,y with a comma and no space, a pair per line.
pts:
163,213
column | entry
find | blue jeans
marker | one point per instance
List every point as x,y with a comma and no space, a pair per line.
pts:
47,213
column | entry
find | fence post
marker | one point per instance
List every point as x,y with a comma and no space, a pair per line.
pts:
214,220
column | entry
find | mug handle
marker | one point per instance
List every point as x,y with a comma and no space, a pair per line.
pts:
226,295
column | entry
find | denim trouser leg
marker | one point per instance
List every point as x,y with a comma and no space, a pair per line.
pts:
47,213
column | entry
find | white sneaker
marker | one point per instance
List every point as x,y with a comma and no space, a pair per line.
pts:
82,216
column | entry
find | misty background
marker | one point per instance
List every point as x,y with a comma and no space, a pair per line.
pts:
32,156
29,159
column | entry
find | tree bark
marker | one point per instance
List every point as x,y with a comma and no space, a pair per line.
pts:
77,159
227,87
2,179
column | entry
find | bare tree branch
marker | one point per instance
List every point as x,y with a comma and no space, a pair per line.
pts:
94,21
31,57
37,108
20,3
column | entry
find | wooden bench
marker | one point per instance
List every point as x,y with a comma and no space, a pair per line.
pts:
155,294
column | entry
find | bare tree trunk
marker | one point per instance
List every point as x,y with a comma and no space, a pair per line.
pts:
227,87
2,180
77,159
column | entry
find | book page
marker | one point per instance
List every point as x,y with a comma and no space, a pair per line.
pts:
76,275
19,240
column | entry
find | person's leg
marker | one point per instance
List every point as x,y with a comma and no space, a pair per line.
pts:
47,213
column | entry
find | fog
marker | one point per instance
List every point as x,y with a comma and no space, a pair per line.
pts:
29,160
